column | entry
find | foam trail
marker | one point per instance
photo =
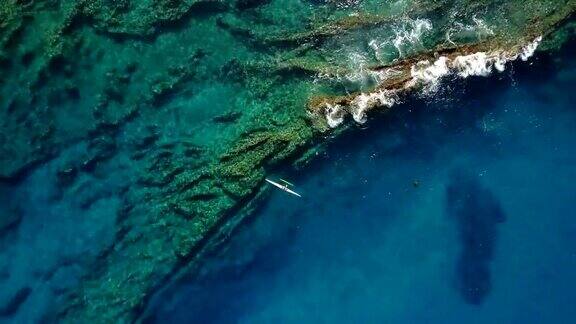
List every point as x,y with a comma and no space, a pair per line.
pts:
410,34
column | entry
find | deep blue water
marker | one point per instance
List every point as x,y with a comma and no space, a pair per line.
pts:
457,208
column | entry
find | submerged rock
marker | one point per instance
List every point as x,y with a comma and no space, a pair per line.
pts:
9,220
14,303
477,213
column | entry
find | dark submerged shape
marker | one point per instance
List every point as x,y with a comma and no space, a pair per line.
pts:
477,213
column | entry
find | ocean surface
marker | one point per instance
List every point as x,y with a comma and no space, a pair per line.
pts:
455,207
432,142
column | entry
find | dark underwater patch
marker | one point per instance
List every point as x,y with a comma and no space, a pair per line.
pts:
477,213
15,302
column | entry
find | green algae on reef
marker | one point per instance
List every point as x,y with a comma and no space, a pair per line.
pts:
240,77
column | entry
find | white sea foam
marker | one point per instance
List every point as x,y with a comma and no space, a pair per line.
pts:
376,47
407,36
479,28
334,115
429,74
477,64
529,50
410,33
366,101
500,63
361,73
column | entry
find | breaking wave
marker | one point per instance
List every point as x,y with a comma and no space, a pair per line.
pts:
427,75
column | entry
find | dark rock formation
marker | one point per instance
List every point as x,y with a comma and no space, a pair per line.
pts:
15,302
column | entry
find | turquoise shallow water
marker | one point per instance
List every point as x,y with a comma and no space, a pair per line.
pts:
452,208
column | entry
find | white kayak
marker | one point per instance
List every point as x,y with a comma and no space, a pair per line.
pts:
283,187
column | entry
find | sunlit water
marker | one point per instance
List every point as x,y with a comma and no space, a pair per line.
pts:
453,208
